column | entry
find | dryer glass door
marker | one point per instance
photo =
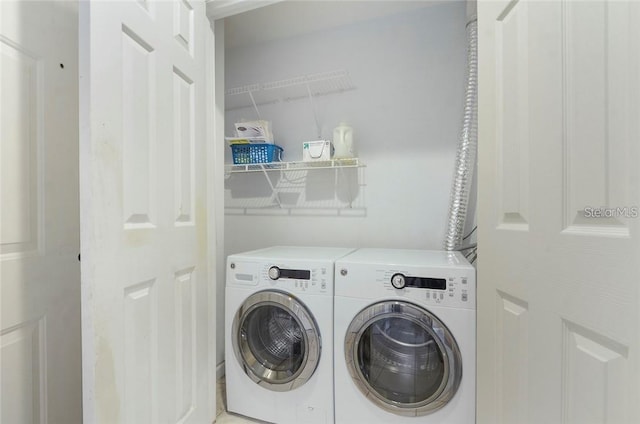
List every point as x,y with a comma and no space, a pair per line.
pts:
404,356
276,340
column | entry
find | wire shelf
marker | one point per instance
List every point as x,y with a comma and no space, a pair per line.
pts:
286,90
290,166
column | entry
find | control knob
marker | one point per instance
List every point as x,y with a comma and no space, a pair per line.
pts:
398,281
274,272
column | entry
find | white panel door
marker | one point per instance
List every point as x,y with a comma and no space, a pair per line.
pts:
39,219
146,286
559,226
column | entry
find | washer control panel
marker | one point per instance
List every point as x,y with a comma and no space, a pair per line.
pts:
311,279
294,278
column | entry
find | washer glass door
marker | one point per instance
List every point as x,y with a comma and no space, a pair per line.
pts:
403,358
276,340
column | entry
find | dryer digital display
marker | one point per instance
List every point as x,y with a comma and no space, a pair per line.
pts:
400,281
426,283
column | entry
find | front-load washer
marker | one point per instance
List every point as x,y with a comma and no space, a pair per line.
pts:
405,337
279,334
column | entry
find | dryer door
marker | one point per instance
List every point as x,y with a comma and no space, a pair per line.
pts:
403,358
276,340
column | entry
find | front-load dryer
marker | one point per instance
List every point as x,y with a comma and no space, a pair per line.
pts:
405,337
279,334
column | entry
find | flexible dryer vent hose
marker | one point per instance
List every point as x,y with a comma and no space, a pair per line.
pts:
467,147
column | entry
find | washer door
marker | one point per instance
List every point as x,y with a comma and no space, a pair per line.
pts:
403,358
276,340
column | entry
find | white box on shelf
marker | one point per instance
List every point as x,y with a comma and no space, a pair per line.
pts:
317,150
255,130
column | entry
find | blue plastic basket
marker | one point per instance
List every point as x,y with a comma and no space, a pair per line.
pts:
244,154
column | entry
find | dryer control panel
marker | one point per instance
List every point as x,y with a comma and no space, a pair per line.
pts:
452,290
426,277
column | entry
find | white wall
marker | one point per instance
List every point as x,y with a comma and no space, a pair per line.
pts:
406,111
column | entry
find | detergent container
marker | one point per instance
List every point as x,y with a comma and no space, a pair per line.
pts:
343,141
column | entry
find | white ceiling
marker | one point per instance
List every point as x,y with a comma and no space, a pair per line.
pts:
295,17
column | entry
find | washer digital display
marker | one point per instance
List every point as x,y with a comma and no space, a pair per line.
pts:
296,274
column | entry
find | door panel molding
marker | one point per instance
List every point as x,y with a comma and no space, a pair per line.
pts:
512,116
593,382
595,139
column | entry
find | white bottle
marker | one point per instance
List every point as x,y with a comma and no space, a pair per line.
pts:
343,141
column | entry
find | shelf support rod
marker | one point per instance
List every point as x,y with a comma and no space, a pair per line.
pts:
313,109
273,189
255,106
